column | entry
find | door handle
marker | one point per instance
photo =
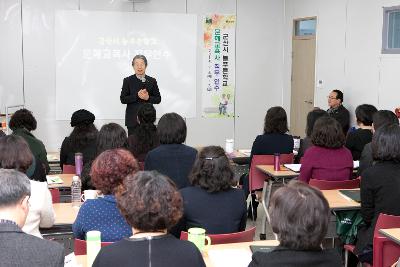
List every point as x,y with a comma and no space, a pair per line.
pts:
308,101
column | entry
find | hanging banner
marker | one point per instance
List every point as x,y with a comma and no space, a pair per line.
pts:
218,87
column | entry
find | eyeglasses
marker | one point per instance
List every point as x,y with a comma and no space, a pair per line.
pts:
331,97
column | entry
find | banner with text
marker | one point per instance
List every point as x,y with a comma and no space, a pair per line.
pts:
218,87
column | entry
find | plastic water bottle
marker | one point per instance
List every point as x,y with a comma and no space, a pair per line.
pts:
76,191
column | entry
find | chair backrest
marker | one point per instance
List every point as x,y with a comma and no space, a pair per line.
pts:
386,252
257,177
330,185
244,236
68,169
80,246
55,195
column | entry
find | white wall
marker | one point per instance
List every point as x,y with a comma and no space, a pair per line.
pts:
259,62
349,36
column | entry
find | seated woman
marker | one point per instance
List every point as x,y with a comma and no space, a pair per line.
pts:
82,139
22,122
299,216
15,154
172,158
144,137
380,186
357,139
157,207
211,202
101,214
305,143
110,136
274,140
327,159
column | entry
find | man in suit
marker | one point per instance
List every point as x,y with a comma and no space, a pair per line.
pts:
136,90
16,247
337,110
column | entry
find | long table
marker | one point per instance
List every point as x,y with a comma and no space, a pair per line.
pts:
338,201
393,234
233,247
65,213
67,181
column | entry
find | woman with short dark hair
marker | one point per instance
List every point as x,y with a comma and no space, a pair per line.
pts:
110,136
380,186
82,138
144,137
274,140
108,172
211,202
327,159
22,123
356,140
172,157
15,154
299,216
157,207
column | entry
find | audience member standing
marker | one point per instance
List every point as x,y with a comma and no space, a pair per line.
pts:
337,110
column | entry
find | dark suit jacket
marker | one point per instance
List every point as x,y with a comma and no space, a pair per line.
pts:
221,212
173,160
20,249
380,187
342,115
284,257
129,95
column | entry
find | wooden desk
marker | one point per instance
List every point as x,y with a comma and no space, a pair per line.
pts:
65,213
337,201
269,171
242,246
67,180
393,234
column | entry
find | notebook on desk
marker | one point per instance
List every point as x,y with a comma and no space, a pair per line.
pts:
353,194
293,167
254,248
54,180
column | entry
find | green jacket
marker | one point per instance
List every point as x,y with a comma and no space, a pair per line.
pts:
37,147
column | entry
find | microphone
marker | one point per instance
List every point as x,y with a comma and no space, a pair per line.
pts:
143,79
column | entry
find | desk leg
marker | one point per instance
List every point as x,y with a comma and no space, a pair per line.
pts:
266,195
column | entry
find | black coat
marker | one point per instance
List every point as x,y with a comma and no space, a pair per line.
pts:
173,160
284,257
380,193
342,115
366,159
129,95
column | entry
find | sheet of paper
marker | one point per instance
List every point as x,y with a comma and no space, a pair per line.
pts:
54,180
356,164
230,257
293,167
70,261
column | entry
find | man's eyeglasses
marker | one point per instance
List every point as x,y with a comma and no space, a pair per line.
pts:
331,97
